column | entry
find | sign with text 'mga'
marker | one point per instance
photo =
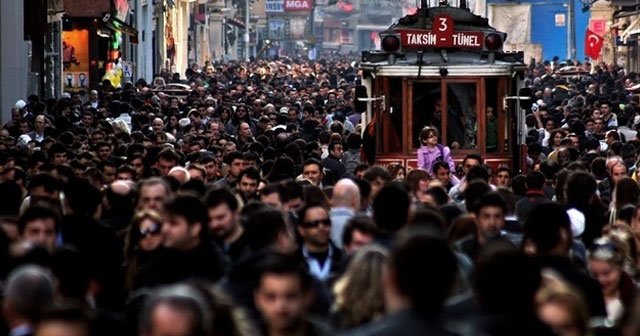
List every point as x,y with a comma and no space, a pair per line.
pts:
442,35
298,5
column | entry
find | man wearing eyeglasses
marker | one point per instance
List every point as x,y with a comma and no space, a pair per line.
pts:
321,255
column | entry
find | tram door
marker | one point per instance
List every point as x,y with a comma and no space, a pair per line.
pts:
467,113
451,107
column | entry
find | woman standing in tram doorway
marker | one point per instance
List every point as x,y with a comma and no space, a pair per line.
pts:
431,151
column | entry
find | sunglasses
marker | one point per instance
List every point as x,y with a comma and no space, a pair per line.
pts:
152,230
317,223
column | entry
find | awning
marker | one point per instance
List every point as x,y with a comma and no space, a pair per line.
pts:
117,25
627,32
235,22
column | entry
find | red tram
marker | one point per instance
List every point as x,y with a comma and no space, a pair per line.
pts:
445,67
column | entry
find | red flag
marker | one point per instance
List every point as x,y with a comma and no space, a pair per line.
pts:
592,44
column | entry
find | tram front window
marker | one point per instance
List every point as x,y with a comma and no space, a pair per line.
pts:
460,110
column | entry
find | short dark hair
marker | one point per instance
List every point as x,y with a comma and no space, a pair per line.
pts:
192,209
250,172
311,161
302,212
474,157
490,199
263,227
413,262
544,225
363,224
232,156
376,172
535,181
333,145
36,212
281,264
218,196
275,188
502,169
169,154
49,182
391,208
439,165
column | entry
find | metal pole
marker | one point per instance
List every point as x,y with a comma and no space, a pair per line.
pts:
571,30
246,30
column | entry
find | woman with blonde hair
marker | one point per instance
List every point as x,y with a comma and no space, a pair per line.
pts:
142,240
561,307
359,293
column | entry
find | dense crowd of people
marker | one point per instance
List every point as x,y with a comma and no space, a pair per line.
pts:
244,206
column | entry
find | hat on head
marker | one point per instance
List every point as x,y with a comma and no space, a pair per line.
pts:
66,95
20,104
184,122
284,110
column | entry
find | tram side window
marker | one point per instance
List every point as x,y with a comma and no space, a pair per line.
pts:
426,109
395,108
491,108
462,126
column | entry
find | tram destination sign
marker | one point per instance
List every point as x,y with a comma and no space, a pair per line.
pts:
442,35
416,38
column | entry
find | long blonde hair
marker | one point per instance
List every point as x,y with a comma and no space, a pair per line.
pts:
359,292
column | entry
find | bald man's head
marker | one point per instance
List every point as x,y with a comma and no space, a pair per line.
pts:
346,194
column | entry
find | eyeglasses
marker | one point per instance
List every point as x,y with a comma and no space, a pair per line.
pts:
317,223
152,230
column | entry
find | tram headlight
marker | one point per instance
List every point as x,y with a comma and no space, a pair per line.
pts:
493,42
390,43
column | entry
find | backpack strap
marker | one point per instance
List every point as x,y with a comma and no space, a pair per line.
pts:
441,149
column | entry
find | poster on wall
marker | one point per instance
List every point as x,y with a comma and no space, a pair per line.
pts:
298,26
276,29
75,59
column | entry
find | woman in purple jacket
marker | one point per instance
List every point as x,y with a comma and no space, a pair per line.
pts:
431,151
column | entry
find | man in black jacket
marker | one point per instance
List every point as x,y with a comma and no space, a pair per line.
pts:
547,236
186,249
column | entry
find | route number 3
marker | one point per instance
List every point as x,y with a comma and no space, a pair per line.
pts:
443,24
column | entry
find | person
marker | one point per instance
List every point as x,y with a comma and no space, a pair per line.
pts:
332,161
67,320
141,243
606,264
176,310
359,296
248,182
312,170
414,294
502,177
39,225
186,248
153,193
345,202
359,232
224,222
561,307
547,237
489,213
431,151
281,295
235,162
397,171
27,291
535,195
322,256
